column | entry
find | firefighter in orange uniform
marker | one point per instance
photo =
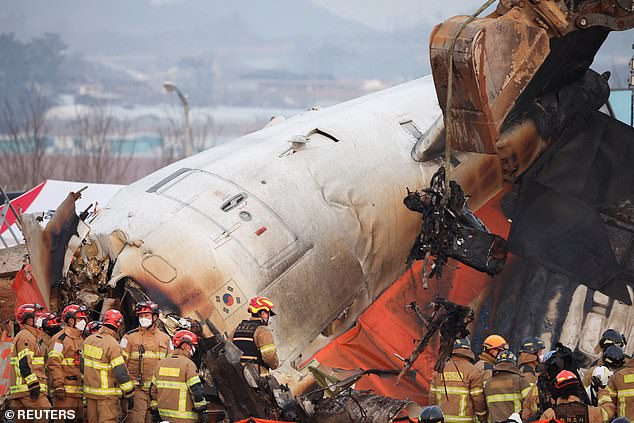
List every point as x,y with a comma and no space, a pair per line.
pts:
64,358
568,407
28,379
142,349
507,389
621,389
530,357
255,339
608,338
106,377
176,391
491,347
458,389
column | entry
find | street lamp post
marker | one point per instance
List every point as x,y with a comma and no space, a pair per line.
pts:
630,84
171,87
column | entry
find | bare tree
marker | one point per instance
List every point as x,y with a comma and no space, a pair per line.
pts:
23,144
100,148
172,134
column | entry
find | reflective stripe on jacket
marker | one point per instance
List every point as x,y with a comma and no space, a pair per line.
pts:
63,361
255,340
458,389
505,392
621,390
26,348
173,388
150,343
105,373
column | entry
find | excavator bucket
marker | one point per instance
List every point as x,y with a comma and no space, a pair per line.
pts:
494,59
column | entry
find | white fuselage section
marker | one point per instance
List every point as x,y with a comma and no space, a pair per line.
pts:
318,226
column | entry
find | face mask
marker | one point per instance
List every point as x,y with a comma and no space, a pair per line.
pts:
38,322
81,325
145,322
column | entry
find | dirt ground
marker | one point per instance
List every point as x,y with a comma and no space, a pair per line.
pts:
7,299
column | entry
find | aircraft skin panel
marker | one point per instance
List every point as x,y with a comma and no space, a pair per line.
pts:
330,205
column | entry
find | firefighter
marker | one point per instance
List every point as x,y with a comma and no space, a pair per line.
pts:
530,356
142,349
506,389
255,339
106,377
458,389
176,391
91,327
608,338
569,409
64,358
621,389
491,347
51,324
28,380
432,414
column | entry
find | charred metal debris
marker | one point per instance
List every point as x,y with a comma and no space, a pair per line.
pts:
450,320
246,394
450,229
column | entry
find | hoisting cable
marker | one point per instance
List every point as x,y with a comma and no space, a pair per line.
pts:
447,159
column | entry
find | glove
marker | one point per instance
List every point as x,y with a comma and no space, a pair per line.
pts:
60,393
600,376
202,409
156,418
34,391
130,403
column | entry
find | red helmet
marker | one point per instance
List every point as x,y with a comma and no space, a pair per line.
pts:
113,317
146,307
184,336
26,311
565,378
50,320
258,304
92,327
74,311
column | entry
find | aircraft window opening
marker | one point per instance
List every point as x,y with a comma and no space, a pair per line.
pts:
411,128
320,132
233,202
167,179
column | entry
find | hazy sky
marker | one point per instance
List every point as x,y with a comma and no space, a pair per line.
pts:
393,14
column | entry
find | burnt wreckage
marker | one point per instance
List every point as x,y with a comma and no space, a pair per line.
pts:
450,229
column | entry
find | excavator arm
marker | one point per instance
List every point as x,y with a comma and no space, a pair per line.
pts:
522,89
522,50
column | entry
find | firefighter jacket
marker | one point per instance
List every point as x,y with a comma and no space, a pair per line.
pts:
505,391
485,365
571,410
142,350
530,406
587,378
176,389
458,389
105,374
527,364
27,363
621,390
255,340
64,355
